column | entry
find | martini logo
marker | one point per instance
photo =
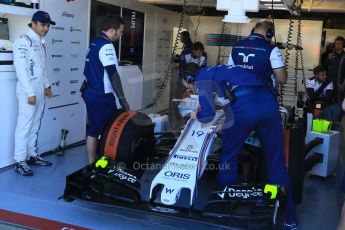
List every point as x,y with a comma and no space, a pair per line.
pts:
56,55
56,41
58,28
68,15
240,193
177,175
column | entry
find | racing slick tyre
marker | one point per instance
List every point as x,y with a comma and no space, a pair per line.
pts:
128,139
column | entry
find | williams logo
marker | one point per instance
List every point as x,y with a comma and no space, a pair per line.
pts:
56,70
72,29
74,69
56,41
75,42
73,81
58,28
68,15
74,55
56,55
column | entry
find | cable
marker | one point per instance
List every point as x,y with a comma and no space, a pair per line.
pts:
198,20
171,62
219,53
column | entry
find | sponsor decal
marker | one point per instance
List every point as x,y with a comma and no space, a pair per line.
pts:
56,95
233,192
68,15
57,83
122,175
56,55
177,175
74,69
75,42
187,158
56,70
74,55
56,41
58,28
72,29
69,0
31,68
164,209
73,81
73,92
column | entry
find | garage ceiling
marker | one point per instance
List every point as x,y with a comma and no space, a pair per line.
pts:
333,6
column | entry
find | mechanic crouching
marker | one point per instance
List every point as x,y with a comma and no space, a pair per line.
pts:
253,106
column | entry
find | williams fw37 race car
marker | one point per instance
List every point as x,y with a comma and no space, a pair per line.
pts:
175,175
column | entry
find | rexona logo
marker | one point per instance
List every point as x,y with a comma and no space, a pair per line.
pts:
240,193
72,29
75,42
177,175
68,15
56,41
56,55
56,70
58,28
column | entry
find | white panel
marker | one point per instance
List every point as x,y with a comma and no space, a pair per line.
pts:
66,44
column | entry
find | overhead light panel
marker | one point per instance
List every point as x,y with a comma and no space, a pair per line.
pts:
237,9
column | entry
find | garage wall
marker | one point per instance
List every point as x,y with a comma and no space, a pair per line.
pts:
158,41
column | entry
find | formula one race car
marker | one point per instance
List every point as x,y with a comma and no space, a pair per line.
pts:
131,172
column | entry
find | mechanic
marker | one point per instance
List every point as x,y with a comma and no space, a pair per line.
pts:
197,55
318,88
103,80
256,107
32,87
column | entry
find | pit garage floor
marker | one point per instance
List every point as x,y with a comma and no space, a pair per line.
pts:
37,198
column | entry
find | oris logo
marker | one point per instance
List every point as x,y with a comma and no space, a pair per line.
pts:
56,41
58,28
68,15
56,55
74,69
74,55
72,29
56,70
177,175
75,42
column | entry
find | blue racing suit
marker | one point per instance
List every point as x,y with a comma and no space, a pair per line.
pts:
255,108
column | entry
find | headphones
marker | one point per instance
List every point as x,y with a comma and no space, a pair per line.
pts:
189,72
270,33
340,38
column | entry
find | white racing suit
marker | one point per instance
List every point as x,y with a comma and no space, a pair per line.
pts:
29,62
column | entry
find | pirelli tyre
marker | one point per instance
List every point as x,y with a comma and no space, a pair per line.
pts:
128,139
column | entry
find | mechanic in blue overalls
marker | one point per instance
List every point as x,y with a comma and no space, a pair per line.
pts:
255,107
103,81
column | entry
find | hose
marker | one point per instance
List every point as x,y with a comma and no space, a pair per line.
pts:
219,53
171,62
198,20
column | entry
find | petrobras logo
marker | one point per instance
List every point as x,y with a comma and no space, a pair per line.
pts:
74,69
58,28
57,56
177,175
56,41
234,192
73,81
56,70
74,55
72,29
68,15
187,158
75,42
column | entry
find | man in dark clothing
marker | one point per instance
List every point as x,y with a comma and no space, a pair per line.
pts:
336,66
